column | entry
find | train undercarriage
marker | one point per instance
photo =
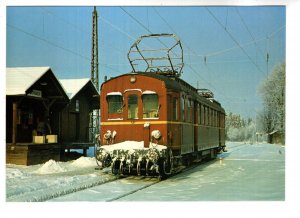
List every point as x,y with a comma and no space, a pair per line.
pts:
155,161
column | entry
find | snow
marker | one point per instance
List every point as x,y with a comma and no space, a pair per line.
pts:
114,93
148,92
19,79
44,181
131,146
247,172
73,86
50,167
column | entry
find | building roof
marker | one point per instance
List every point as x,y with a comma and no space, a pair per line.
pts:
20,79
73,86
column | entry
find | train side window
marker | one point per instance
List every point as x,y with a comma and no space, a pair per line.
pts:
132,107
182,108
115,104
206,116
202,114
199,114
188,117
191,111
150,106
212,117
175,108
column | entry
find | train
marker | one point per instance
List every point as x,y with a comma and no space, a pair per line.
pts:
152,121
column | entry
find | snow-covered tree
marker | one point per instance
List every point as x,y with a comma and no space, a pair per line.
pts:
272,91
239,129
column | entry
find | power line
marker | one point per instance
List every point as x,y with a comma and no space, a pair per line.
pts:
48,42
251,35
64,20
55,45
189,65
136,20
117,28
231,36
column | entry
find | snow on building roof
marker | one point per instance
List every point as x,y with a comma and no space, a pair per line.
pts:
73,86
19,79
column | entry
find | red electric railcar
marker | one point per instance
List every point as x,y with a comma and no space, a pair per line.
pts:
153,121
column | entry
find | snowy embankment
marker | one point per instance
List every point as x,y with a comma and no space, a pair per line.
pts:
52,179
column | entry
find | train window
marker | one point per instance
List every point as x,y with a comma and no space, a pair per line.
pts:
132,107
115,104
150,106
211,117
191,111
215,118
202,114
206,116
175,108
182,108
198,112
188,117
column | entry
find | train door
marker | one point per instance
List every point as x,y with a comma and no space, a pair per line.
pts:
132,113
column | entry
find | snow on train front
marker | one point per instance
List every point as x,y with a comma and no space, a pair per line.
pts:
134,158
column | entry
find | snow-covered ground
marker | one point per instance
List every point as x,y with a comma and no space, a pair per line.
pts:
51,179
245,173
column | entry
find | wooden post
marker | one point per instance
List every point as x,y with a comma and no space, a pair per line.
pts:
84,152
14,126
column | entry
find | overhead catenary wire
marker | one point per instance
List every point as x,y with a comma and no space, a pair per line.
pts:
189,65
248,30
78,28
55,45
233,39
228,99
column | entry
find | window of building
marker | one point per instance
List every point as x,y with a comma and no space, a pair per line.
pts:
150,106
77,105
132,107
115,104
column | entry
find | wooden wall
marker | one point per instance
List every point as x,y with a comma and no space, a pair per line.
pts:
74,123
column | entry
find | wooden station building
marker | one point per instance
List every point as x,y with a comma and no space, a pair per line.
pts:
34,95
76,132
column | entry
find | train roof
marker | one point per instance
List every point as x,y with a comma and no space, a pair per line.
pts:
175,83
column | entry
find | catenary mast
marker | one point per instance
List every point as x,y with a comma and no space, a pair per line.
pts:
94,116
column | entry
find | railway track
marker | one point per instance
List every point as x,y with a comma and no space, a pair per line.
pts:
119,187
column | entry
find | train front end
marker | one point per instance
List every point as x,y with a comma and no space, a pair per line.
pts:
133,133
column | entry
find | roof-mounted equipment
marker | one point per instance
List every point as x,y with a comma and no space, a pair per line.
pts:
157,53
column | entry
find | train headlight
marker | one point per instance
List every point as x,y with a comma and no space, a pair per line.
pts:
156,134
107,135
132,79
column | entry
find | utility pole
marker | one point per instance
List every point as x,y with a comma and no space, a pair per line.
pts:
94,62
94,126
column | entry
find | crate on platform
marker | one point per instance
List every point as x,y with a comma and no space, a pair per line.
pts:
51,138
39,139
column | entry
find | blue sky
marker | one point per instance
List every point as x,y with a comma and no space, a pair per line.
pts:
234,40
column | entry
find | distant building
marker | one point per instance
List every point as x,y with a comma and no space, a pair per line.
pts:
276,137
